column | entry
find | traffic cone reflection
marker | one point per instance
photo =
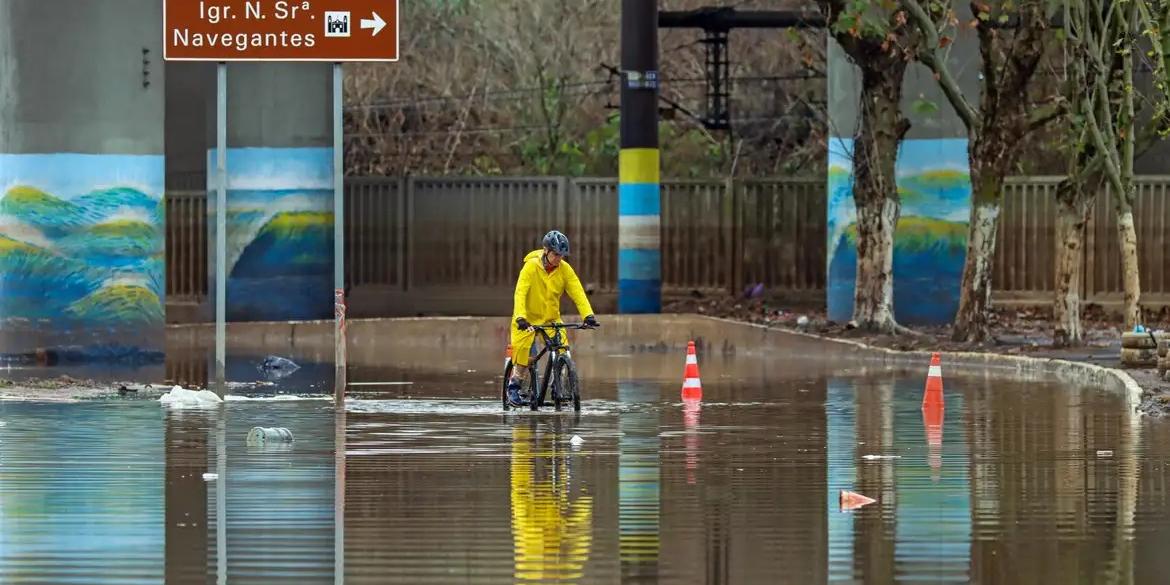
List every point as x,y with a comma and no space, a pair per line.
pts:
691,408
932,419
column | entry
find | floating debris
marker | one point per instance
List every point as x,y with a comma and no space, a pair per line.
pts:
263,435
181,397
275,367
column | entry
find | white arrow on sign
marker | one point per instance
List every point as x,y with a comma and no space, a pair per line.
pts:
375,23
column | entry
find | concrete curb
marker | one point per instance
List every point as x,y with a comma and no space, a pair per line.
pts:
1022,367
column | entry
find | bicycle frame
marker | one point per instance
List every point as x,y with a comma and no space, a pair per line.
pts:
552,346
552,342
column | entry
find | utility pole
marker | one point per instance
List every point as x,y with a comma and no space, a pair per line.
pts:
639,207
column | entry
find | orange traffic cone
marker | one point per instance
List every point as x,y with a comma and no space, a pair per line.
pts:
692,388
853,500
933,397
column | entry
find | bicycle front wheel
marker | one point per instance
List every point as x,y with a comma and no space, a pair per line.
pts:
567,383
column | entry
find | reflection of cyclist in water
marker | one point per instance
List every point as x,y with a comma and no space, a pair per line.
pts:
537,301
552,532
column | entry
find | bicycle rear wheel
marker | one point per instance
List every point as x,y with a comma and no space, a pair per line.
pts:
533,384
504,385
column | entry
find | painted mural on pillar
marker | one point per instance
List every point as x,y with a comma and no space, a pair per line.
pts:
279,233
930,242
82,254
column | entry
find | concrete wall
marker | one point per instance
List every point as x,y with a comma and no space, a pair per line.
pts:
932,169
280,191
81,169
190,111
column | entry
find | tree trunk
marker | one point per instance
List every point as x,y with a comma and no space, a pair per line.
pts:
989,159
873,295
875,192
1130,272
971,323
1131,278
1073,203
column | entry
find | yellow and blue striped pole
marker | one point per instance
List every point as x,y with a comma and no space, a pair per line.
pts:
639,204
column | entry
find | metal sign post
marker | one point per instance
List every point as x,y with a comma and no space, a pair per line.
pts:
339,342
220,229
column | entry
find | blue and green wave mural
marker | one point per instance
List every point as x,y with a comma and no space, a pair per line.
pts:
930,241
279,233
82,254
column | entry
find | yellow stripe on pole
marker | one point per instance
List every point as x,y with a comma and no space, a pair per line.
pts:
638,165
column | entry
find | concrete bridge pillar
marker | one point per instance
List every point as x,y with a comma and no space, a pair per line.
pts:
81,179
932,174
280,191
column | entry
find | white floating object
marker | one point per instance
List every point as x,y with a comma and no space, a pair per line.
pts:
210,476
881,456
179,396
1104,452
576,440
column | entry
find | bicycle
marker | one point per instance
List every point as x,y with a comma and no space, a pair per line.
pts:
560,370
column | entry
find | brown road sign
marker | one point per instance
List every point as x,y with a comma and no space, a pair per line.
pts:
280,30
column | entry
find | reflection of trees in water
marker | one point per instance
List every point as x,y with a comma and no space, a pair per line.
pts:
875,534
1046,507
552,527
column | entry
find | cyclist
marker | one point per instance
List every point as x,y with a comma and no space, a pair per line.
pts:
544,278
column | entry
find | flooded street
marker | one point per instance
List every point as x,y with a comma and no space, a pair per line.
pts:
422,479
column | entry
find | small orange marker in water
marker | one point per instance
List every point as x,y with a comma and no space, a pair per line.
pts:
933,397
853,500
692,388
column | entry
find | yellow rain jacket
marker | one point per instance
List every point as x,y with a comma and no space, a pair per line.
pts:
538,300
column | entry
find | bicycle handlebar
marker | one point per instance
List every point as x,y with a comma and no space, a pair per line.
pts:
562,326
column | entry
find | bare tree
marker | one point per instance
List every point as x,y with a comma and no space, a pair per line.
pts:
996,129
525,87
1103,34
876,39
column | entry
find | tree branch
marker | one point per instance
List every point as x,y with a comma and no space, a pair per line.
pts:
1046,113
932,58
1107,151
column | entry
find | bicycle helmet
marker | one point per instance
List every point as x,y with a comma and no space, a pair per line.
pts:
557,242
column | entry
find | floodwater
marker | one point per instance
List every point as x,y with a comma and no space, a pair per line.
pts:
422,479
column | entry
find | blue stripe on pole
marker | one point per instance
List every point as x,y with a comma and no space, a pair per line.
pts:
639,264
638,199
639,296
